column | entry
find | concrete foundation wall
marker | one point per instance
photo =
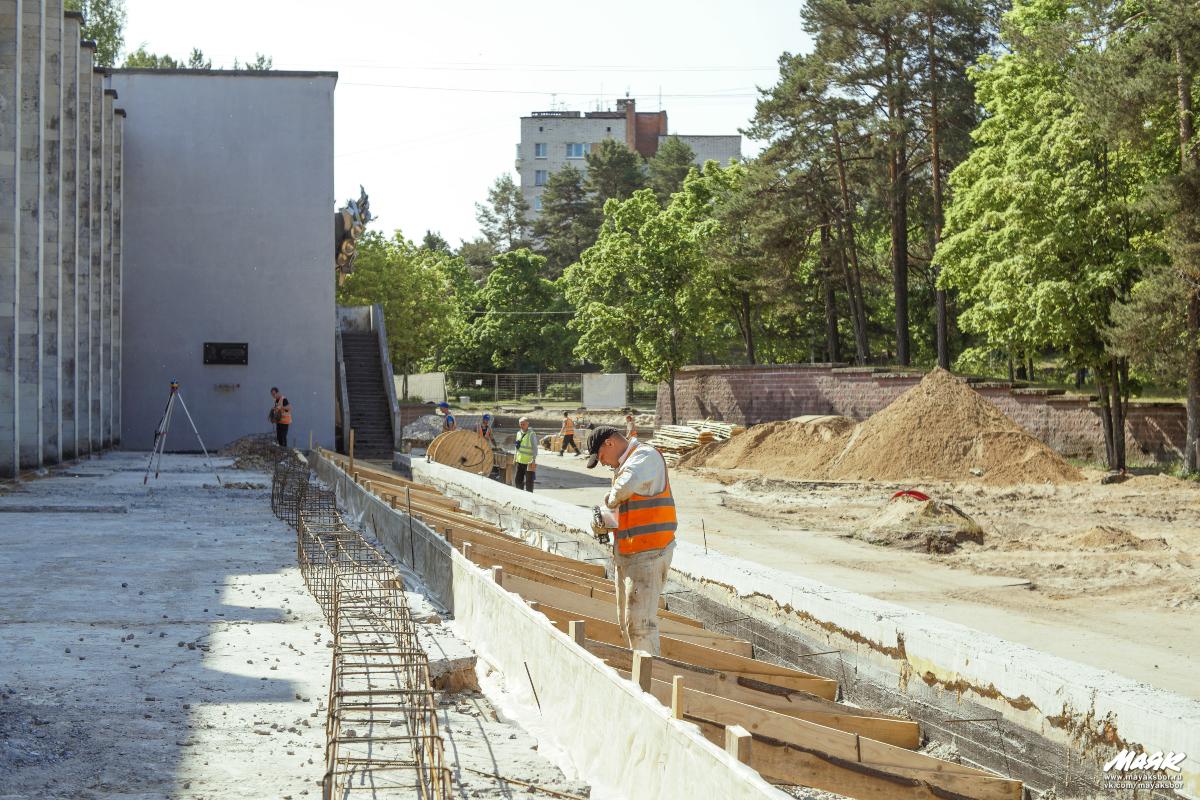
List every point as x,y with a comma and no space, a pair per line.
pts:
227,196
51,397
1069,424
1022,713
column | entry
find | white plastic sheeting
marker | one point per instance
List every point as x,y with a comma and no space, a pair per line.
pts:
604,391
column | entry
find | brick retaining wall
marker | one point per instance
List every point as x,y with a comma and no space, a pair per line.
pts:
1068,423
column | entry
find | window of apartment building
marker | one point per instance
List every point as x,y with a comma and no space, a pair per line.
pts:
541,177
576,149
539,150
537,203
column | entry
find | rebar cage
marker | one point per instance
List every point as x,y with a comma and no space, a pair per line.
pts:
381,732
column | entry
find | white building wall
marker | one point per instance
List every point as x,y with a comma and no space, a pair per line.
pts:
721,149
556,133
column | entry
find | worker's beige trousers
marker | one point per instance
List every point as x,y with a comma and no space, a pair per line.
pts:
640,578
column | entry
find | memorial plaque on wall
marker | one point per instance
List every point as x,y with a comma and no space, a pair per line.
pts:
226,353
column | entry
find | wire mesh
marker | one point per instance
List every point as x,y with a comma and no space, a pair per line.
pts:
381,732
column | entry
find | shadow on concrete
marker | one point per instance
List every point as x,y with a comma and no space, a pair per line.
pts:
134,631
551,477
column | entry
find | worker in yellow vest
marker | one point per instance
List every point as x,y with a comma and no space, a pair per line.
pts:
281,415
567,432
526,457
644,530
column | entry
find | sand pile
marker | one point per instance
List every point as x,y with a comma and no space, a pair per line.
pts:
940,429
1110,537
257,452
930,526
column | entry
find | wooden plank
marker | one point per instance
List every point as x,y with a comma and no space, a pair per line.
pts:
570,582
608,631
597,604
568,571
810,702
794,751
598,609
509,545
369,472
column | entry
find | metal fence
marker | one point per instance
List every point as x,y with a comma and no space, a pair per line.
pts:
517,387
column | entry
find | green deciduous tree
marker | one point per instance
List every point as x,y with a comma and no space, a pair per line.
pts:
435,242
522,325
504,219
668,168
413,288
568,222
142,59
641,292
1042,234
104,24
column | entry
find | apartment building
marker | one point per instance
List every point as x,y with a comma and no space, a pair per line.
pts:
550,140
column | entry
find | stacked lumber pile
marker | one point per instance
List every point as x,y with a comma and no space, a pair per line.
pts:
720,430
795,731
673,441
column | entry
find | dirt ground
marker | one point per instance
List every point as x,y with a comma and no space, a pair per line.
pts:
1101,574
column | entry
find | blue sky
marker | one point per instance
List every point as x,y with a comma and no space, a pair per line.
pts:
430,94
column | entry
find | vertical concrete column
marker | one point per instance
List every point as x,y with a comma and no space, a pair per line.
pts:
52,45
83,253
95,410
10,275
67,222
106,282
29,261
117,265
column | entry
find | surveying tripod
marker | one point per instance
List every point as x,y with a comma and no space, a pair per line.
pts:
160,435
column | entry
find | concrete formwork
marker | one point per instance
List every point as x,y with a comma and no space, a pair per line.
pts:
59,215
1049,722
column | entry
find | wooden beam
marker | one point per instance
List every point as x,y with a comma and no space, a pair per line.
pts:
541,572
602,606
737,743
577,629
643,669
512,547
498,575
800,703
677,702
608,631
571,570
573,604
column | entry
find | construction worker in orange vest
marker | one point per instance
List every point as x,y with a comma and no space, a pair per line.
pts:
643,527
281,414
567,431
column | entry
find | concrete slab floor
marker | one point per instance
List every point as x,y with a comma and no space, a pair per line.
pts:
170,651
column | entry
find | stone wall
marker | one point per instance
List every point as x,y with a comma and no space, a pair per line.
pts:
1068,423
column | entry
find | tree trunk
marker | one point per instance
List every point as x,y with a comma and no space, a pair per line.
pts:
862,345
744,322
1103,387
935,166
671,385
1188,161
404,385
1112,379
831,322
898,199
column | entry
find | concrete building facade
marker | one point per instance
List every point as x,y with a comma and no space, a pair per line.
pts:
551,140
60,268
125,249
228,281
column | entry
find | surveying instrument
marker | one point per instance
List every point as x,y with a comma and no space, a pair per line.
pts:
160,435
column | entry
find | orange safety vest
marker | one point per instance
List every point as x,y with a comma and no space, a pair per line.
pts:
630,430
568,426
647,522
285,412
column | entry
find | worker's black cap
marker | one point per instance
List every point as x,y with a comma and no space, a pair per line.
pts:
595,439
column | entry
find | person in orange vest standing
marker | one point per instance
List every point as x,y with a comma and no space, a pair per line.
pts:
281,415
630,427
567,431
643,528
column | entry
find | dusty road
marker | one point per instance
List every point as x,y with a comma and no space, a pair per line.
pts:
1132,609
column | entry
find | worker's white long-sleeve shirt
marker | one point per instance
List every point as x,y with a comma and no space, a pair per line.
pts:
641,470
